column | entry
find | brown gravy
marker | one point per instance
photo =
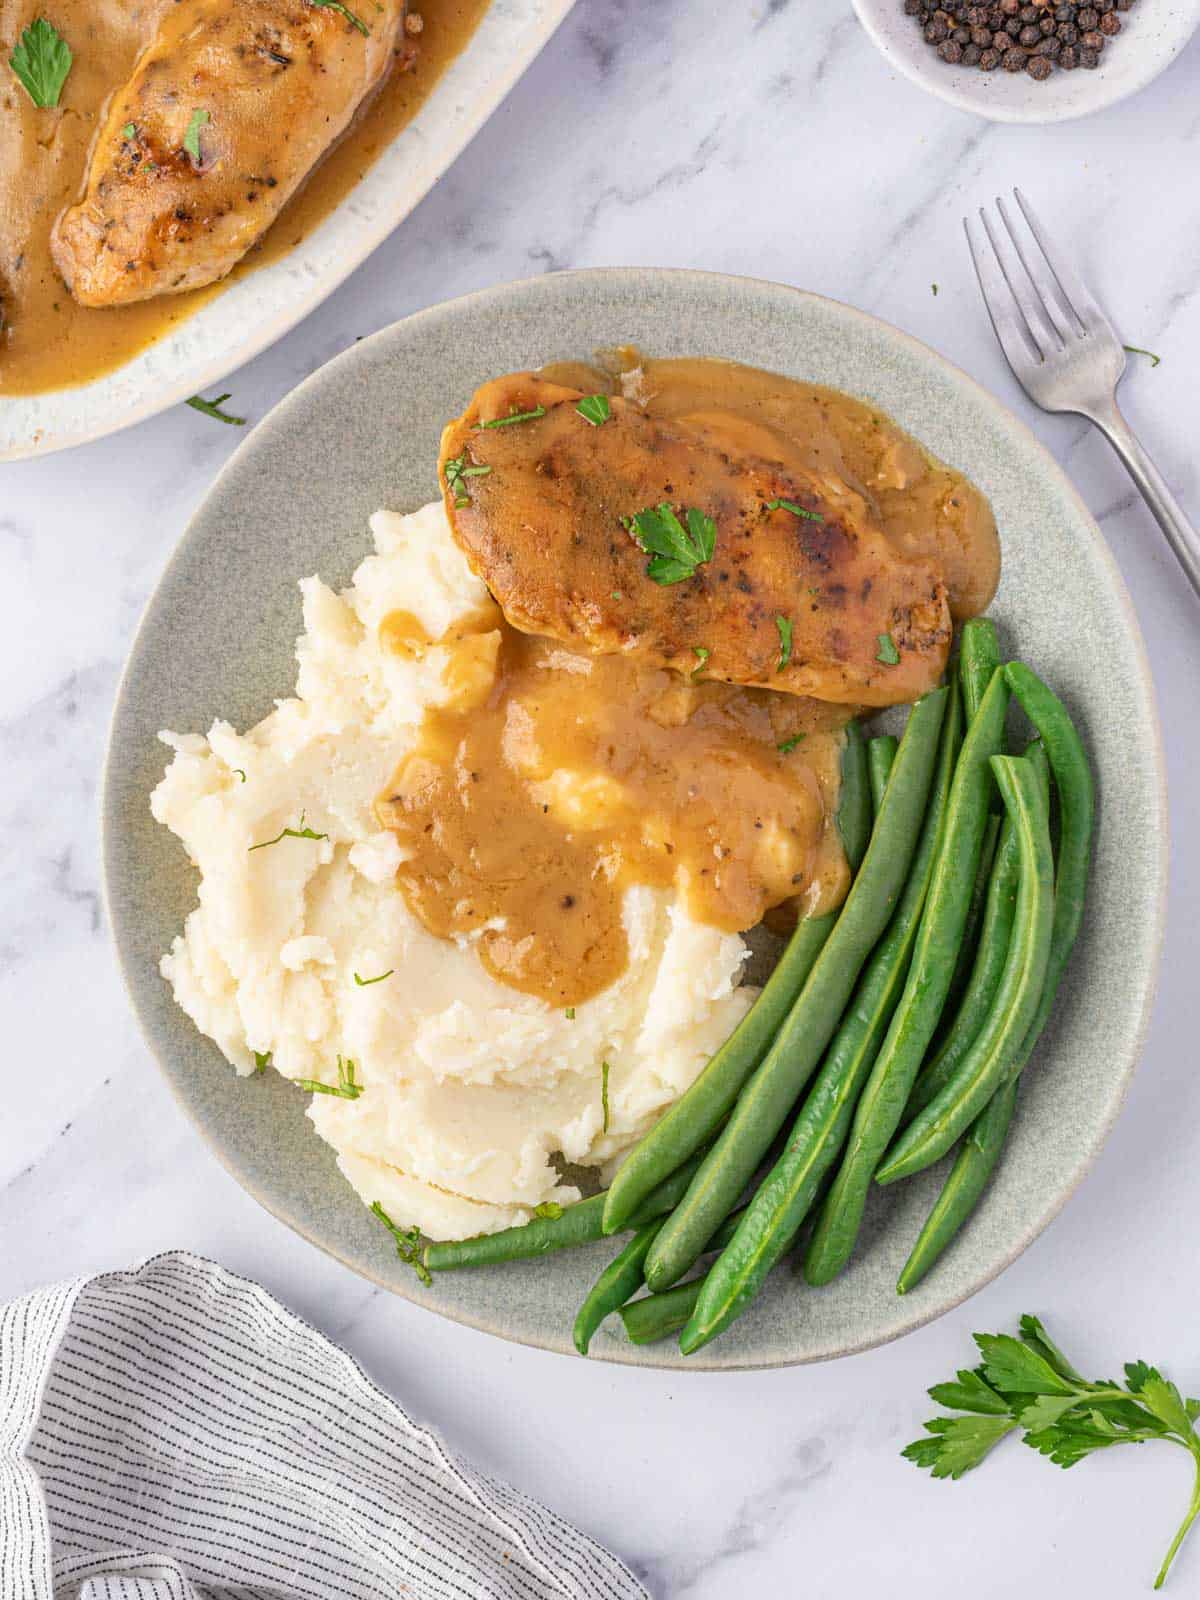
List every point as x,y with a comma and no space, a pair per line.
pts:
47,341
554,778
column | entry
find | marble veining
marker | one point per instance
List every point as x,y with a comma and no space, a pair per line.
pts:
770,140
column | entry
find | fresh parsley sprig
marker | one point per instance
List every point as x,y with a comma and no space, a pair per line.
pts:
1028,1384
41,60
407,1241
675,551
345,1088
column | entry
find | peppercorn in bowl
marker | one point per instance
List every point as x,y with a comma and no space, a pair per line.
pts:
1030,60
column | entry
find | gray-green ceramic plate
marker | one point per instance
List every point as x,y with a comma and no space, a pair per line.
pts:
362,433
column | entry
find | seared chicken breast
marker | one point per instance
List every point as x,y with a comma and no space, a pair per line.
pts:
802,591
228,110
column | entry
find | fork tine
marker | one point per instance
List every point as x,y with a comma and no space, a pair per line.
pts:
1074,291
1007,322
1045,336
1037,270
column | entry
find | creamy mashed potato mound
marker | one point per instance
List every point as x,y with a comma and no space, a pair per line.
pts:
469,1088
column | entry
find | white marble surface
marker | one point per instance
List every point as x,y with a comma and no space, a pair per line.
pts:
773,142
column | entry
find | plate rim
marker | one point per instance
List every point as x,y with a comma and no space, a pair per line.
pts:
295,311
616,1354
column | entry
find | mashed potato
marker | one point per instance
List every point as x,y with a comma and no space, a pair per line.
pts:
468,1087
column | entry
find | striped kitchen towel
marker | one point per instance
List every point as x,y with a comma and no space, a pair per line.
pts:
173,1433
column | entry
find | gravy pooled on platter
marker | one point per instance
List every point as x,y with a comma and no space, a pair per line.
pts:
608,730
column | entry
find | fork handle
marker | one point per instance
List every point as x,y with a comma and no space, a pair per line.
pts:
1168,513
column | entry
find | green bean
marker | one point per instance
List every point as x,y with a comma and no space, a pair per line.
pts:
770,1094
778,1209
619,1280
990,1058
854,805
978,660
882,1103
695,1116
576,1224
973,1166
1077,809
656,1315
693,1119
982,1147
881,753
990,957
976,907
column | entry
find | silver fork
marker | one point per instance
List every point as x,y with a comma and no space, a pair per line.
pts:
1064,352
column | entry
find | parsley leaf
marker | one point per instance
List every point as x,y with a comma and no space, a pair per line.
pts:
784,625
345,1088
515,416
241,772
212,408
41,60
191,140
128,131
570,1013
887,652
1028,1384
289,833
407,1241
786,747
797,511
594,408
604,1071
262,1060
675,552
549,1210
365,983
1136,350
702,656
456,472
343,11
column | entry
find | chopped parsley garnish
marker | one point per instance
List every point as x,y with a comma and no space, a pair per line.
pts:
675,552
343,11
365,983
604,1071
702,656
784,625
570,1013
128,131
407,1241
262,1060
934,287
457,471
888,653
594,408
345,1088
797,511
1136,350
289,833
550,1210
241,772
212,408
191,139
515,416
41,60
788,745
616,594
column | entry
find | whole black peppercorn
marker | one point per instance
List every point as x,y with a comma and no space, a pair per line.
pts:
1051,48
961,35
1010,7
950,51
1047,25
1087,18
1012,27
1064,14
1014,60
1068,57
982,37
1028,13
936,31
1089,58
971,55
912,8
977,15
1093,39
1110,23
1104,6
989,60
1029,35
1039,67
1124,5
1067,32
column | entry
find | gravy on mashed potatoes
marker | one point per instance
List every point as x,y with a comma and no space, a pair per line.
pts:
469,1084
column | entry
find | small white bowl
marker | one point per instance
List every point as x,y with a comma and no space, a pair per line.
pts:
1154,33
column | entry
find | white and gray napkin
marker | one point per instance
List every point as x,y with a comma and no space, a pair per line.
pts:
173,1433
